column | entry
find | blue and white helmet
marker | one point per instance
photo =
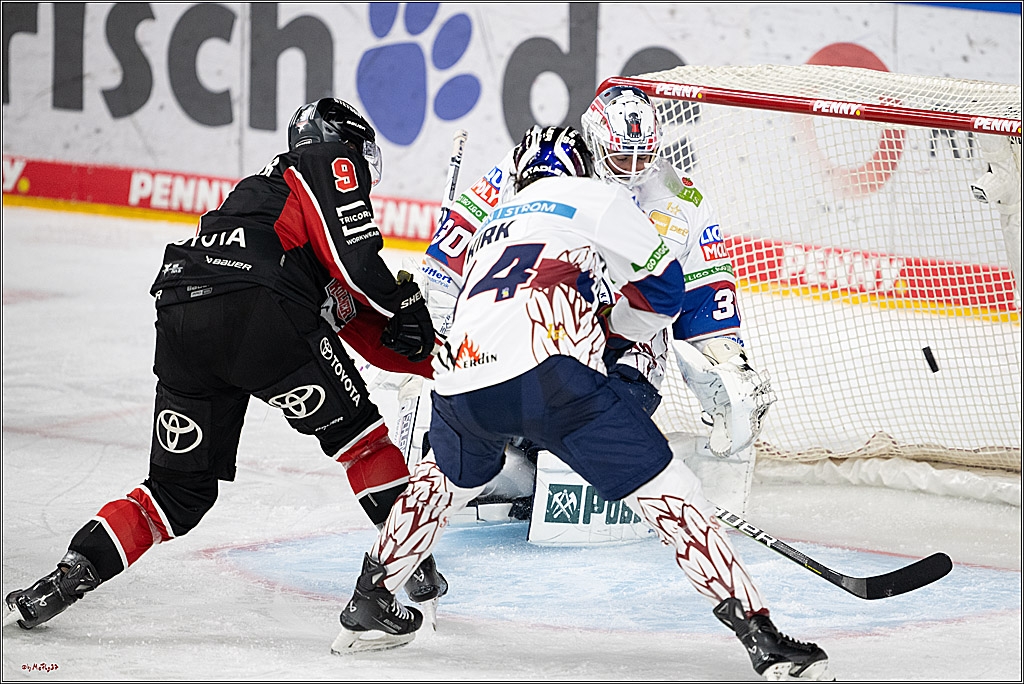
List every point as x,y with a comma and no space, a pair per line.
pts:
621,128
550,151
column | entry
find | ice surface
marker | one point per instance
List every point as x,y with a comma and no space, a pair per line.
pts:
253,593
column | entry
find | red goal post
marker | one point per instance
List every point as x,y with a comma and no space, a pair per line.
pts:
879,293
882,113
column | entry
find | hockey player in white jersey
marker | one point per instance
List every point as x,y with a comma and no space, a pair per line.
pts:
563,276
622,130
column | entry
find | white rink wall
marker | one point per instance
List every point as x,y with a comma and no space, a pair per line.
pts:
209,88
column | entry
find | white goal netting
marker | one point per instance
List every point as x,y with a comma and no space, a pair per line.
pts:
877,291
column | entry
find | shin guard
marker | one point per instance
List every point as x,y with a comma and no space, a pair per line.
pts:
416,520
675,507
121,532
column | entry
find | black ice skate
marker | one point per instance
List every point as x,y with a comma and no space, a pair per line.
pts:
775,656
426,582
52,594
425,587
374,620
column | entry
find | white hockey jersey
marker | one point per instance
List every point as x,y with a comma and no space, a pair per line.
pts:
680,211
538,273
687,221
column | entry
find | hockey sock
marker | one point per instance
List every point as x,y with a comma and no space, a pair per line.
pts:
378,504
377,472
415,524
93,542
121,532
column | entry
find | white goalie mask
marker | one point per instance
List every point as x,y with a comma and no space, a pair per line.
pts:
621,129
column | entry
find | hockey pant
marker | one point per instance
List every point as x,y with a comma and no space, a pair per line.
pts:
211,356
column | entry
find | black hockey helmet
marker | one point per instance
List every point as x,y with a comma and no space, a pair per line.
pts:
551,151
334,120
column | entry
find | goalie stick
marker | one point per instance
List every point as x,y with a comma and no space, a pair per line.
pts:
409,392
458,145
412,387
908,578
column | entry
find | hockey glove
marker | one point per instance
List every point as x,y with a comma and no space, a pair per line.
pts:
409,332
734,396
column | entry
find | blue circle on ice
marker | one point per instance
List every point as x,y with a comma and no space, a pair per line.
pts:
494,573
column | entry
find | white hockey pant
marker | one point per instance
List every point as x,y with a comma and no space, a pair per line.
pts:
673,504
414,525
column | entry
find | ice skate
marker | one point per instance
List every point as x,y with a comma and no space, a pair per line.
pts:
425,587
52,594
775,656
374,620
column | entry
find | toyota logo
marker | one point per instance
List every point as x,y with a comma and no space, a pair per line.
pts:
325,349
296,403
172,427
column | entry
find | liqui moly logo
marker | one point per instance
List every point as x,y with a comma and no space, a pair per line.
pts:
833,107
982,123
680,90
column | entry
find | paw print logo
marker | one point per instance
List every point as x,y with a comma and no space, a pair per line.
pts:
392,79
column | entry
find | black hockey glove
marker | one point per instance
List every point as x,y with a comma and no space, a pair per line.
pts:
410,331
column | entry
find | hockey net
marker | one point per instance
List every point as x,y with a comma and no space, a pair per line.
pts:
876,290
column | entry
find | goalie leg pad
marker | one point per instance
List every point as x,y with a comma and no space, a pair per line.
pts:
413,411
674,505
724,481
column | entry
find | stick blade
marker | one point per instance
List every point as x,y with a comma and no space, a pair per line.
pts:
909,578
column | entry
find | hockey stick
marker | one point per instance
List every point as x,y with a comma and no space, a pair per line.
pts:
409,392
458,146
908,578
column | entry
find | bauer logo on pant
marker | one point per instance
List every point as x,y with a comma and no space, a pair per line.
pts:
177,433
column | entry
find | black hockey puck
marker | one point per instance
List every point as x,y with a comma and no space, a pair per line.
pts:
930,358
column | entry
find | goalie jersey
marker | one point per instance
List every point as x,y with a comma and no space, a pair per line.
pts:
542,268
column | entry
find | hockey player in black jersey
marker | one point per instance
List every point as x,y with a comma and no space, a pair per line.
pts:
239,315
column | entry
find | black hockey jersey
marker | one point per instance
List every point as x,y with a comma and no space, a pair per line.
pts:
304,219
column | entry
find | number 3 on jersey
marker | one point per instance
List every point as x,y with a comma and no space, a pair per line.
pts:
512,269
726,300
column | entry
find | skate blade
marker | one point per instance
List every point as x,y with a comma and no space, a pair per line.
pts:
815,672
348,641
12,617
429,610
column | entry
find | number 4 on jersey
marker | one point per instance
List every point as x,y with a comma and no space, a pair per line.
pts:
513,268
